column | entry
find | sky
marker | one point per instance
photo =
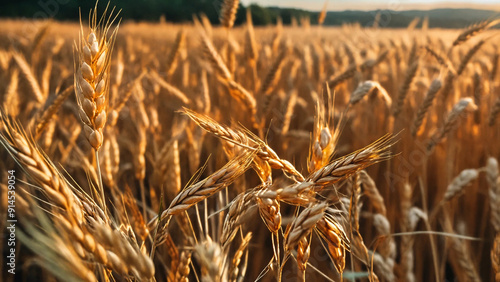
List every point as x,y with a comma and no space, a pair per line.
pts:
339,5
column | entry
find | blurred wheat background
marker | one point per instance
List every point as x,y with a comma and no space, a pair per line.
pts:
236,153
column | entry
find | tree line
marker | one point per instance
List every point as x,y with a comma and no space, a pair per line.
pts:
176,11
179,11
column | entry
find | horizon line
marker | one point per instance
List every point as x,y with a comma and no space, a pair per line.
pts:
341,7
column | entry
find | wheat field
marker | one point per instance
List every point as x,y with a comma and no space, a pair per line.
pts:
161,152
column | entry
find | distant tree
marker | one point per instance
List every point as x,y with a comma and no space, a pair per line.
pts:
260,15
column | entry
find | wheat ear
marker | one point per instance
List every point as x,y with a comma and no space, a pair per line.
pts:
183,269
337,242
303,224
493,180
465,60
494,67
228,12
403,91
173,57
495,110
344,167
210,256
69,210
495,257
370,189
213,56
459,183
244,139
30,77
367,87
441,59
473,30
51,110
422,111
234,271
210,185
11,97
170,88
451,121
239,208
349,72
92,78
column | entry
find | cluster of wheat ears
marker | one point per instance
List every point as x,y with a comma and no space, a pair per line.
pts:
243,153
